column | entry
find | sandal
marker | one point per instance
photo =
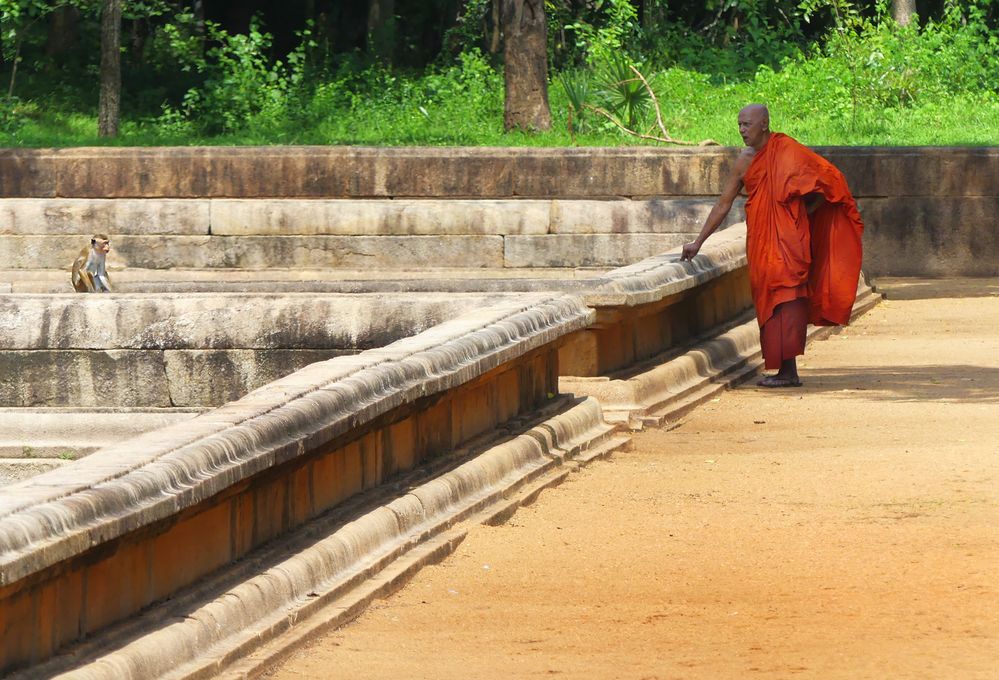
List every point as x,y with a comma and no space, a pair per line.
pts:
774,381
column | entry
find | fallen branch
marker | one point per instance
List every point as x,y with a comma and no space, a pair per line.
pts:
655,102
666,138
624,128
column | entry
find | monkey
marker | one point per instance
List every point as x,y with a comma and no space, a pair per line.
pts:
90,274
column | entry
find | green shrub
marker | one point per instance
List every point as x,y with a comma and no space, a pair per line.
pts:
242,86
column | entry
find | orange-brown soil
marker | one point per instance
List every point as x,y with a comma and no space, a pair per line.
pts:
845,529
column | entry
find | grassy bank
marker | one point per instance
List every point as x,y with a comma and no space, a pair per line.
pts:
878,84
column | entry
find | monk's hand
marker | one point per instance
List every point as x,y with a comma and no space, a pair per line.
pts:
689,250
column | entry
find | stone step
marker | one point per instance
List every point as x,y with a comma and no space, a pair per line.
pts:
225,321
461,172
362,172
15,469
80,217
64,434
194,350
161,252
137,280
144,378
259,603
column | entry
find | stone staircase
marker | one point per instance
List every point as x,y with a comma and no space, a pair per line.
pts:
182,245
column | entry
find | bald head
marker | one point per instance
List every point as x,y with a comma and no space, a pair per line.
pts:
754,125
758,111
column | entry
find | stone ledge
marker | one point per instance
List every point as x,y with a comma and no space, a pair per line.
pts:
462,172
221,621
120,489
385,253
50,432
16,469
586,250
283,280
81,217
661,276
225,321
903,288
262,252
658,392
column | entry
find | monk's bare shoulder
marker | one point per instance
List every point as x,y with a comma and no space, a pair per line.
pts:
735,180
745,157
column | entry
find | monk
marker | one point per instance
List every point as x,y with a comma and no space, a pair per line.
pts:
803,240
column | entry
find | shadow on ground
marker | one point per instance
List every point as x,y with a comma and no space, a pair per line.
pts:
941,383
934,289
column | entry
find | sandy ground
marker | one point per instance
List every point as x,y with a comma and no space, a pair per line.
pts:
846,529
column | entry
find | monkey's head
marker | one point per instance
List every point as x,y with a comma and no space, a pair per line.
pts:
101,243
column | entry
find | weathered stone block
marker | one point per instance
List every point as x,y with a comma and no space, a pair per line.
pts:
474,412
587,250
374,217
621,171
214,377
82,217
931,236
180,172
364,172
917,171
181,554
657,216
116,587
399,447
226,321
262,252
372,469
27,172
109,379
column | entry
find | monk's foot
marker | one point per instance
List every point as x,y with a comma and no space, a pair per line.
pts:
779,381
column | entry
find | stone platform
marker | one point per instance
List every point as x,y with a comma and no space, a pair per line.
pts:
353,402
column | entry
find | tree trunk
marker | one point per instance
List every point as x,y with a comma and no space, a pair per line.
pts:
381,29
525,52
63,30
198,10
110,101
137,40
903,10
494,35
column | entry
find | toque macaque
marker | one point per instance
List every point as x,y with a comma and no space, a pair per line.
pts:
90,274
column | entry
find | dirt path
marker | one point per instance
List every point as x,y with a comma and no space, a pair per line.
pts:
846,529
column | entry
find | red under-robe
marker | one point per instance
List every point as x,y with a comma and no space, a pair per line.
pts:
793,255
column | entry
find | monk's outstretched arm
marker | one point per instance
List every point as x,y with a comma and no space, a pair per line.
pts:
722,207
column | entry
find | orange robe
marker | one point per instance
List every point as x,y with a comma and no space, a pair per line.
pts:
791,254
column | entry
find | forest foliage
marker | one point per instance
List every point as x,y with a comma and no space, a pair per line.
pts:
430,72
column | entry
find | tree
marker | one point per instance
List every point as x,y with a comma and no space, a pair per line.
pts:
903,10
381,29
109,109
17,18
525,53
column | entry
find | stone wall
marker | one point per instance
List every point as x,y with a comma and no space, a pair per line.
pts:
349,235
245,473
97,541
193,350
929,211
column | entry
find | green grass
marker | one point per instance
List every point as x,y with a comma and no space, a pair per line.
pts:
871,83
693,116
808,99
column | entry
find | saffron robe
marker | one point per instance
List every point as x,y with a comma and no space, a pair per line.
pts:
792,254
782,337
